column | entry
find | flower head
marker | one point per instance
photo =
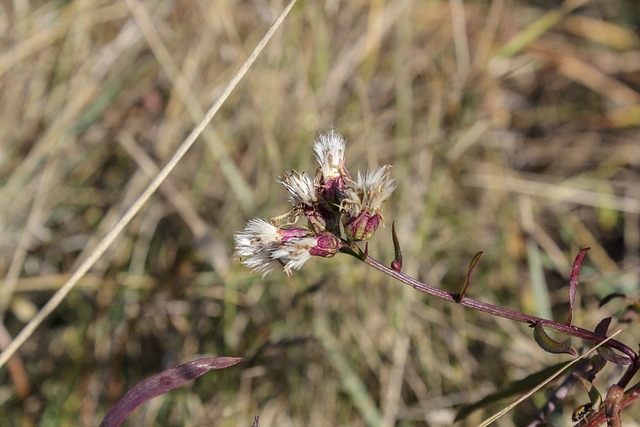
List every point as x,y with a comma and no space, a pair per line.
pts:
368,192
302,191
304,198
332,174
339,211
262,246
363,201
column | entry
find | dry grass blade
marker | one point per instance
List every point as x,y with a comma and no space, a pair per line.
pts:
102,246
564,193
234,178
542,384
539,27
13,274
352,384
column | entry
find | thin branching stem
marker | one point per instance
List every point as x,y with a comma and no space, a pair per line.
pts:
513,315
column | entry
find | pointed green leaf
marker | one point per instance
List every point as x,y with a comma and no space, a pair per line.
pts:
594,395
549,344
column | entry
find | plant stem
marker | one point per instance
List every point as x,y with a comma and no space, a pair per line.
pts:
513,315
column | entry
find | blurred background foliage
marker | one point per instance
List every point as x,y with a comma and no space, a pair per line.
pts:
512,127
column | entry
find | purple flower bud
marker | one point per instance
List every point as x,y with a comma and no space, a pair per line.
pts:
328,245
363,226
317,221
332,189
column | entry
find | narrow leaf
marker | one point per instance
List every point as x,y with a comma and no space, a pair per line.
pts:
606,352
573,282
603,326
162,383
549,344
594,395
396,264
472,266
611,356
611,297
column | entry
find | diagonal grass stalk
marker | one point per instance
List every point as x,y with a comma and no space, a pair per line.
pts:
108,239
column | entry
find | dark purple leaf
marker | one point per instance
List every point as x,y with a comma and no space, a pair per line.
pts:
549,344
603,326
611,356
606,352
162,383
610,297
573,282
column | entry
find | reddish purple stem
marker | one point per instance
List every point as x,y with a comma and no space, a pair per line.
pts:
514,315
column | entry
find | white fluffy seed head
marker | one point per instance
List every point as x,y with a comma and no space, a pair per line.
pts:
330,154
254,245
302,191
368,191
295,252
262,248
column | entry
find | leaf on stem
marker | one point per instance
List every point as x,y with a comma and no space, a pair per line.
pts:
595,398
549,344
603,326
162,383
467,280
573,282
611,356
396,264
607,352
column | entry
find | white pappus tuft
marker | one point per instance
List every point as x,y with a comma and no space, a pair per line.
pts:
262,247
330,154
368,191
302,191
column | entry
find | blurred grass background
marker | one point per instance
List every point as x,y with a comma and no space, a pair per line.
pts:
512,126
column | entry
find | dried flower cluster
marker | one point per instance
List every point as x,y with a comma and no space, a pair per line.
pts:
339,211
